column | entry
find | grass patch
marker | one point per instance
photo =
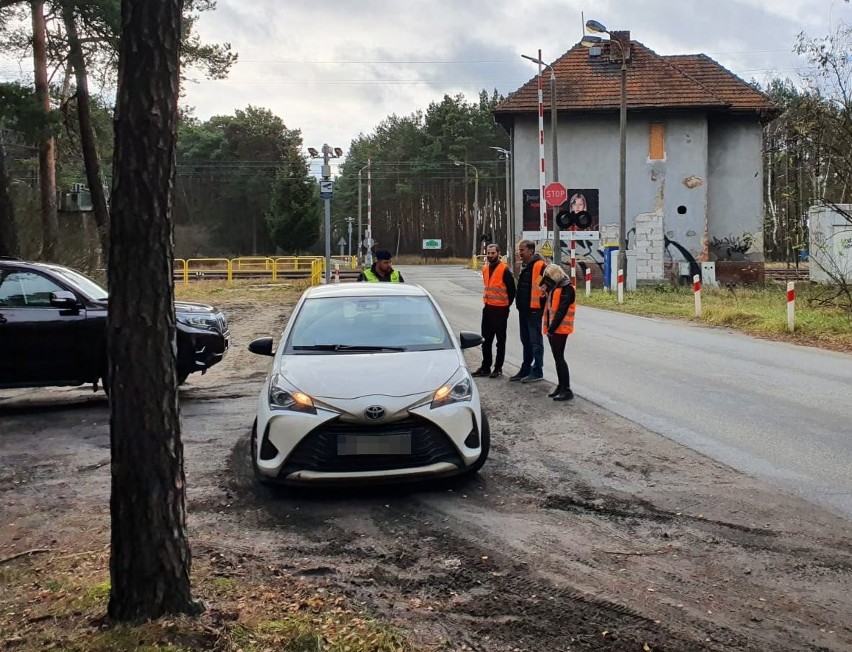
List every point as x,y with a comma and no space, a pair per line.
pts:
757,311
216,292
59,602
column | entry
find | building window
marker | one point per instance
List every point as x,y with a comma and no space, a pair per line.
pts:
657,141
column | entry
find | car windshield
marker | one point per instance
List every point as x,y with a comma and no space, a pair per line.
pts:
368,324
91,288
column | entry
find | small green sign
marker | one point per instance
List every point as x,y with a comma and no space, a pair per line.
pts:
432,244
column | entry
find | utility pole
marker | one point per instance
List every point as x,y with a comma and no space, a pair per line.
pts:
325,194
349,221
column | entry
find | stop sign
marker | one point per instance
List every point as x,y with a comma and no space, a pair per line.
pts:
555,194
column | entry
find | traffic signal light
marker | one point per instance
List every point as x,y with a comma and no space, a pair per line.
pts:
566,219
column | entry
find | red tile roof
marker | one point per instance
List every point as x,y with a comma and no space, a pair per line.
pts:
585,84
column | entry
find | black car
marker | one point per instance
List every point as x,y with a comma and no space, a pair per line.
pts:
53,328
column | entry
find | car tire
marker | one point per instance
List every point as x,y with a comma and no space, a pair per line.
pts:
258,476
485,441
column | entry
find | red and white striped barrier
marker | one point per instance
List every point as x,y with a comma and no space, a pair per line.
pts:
791,306
696,288
621,286
541,180
588,282
573,261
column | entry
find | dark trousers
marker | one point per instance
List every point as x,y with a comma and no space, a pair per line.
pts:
494,321
557,347
529,322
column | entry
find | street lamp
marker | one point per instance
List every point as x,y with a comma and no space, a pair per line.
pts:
360,232
349,221
591,41
510,209
327,153
557,243
475,200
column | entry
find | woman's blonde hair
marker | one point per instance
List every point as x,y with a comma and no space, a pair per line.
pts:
555,273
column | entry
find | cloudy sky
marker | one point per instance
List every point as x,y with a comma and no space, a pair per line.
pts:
336,68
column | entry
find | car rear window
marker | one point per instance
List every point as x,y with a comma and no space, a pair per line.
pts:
401,322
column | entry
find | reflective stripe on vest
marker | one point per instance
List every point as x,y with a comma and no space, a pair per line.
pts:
535,291
495,292
372,278
566,326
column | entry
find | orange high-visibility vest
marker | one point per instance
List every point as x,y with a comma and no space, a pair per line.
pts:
495,292
551,305
537,292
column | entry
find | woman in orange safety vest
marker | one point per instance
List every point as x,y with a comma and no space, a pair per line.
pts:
558,323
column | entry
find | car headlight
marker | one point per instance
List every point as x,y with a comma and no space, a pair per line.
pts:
205,322
456,389
283,396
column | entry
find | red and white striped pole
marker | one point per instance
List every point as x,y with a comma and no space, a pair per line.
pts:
369,212
541,180
696,288
791,306
588,281
337,273
573,258
620,286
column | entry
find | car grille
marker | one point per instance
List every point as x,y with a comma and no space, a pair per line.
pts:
318,450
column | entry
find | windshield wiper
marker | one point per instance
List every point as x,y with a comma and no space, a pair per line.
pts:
346,347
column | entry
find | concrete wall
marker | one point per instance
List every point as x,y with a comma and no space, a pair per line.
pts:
589,158
735,207
830,246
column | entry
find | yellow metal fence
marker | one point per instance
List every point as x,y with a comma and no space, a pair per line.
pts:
312,267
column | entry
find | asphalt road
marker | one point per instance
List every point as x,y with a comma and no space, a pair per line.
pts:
775,411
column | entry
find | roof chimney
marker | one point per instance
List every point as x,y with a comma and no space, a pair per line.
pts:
622,37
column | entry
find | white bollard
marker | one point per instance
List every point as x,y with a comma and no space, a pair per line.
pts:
621,286
573,261
696,288
588,282
336,273
791,306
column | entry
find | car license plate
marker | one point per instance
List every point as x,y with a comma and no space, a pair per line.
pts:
374,444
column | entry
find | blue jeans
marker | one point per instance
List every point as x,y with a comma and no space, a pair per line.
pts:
532,341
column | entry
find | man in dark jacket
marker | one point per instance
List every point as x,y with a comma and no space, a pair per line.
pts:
497,296
528,303
382,270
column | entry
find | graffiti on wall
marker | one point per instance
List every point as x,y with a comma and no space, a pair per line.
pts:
732,247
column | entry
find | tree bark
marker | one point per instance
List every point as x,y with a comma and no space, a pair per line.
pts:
150,556
46,150
88,141
9,244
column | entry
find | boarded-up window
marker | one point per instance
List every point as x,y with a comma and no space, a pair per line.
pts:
657,141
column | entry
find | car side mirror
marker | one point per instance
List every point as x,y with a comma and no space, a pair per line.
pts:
63,299
468,339
262,346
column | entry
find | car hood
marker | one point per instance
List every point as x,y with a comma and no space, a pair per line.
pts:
192,307
351,375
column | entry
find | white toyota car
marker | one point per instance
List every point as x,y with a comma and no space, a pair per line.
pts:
367,383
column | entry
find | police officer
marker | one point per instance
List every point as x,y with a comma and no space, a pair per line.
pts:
382,270
497,296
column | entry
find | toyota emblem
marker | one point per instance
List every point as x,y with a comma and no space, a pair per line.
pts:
374,412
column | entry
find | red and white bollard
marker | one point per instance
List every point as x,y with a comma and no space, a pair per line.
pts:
588,282
791,306
336,273
696,288
573,258
621,286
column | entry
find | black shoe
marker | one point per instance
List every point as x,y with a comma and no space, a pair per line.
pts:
495,374
533,377
566,395
480,372
556,392
519,376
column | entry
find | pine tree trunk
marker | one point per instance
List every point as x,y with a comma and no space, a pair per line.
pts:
150,557
47,149
9,244
88,141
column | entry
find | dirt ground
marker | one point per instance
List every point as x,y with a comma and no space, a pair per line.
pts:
583,531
